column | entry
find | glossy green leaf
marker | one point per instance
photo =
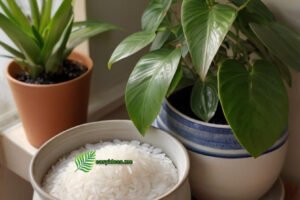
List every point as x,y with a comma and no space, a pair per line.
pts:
256,7
25,43
87,29
160,40
35,13
280,41
45,14
56,27
175,81
285,73
148,85
131,45
255,103
205,29
204,98
85,161
154,14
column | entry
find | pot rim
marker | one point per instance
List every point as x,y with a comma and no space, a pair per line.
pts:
195,120
38,189
88,62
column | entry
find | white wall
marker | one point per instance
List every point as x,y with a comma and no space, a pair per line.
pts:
109,85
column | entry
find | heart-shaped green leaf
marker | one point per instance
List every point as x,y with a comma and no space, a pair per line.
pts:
154,14
254,102
131,45
148,85
280,41
205,28
204,98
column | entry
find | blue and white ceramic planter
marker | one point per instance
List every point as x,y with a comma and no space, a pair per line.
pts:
220,167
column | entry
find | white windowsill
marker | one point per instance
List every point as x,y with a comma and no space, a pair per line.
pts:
16,152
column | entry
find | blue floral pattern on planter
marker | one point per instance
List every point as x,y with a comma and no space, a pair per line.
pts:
204,138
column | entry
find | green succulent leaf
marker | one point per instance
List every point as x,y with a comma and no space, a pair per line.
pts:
38,37
255,103
281,41
57,57
33,69
11,50
205,28
85,30
19,16
7,11
204,98
35,13
154,14
45,15
25,43
148,85
131,45
56,27
85,161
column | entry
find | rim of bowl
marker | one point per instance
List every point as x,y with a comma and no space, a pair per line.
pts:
38,189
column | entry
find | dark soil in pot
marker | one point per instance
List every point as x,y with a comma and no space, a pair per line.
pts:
70,70
181,101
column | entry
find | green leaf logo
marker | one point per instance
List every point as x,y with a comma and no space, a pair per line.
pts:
85,161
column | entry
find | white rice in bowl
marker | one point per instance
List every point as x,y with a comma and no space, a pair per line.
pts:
151,175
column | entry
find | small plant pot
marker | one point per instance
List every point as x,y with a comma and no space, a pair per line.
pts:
220,168
91,133
46,110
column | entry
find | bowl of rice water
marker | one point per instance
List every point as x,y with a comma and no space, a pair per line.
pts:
110,160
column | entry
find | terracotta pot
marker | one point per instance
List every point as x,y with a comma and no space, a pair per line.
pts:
46,110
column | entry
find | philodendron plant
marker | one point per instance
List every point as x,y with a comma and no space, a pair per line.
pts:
44,39
235,53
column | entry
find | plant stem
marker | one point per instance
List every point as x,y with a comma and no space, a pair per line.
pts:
210,3
244,5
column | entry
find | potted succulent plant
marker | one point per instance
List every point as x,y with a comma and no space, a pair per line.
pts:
49,82
222,68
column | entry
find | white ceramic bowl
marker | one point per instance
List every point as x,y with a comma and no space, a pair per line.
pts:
76,137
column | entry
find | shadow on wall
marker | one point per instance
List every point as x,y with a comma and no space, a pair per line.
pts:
126,14
289,12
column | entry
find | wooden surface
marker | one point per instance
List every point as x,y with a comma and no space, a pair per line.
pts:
292,191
